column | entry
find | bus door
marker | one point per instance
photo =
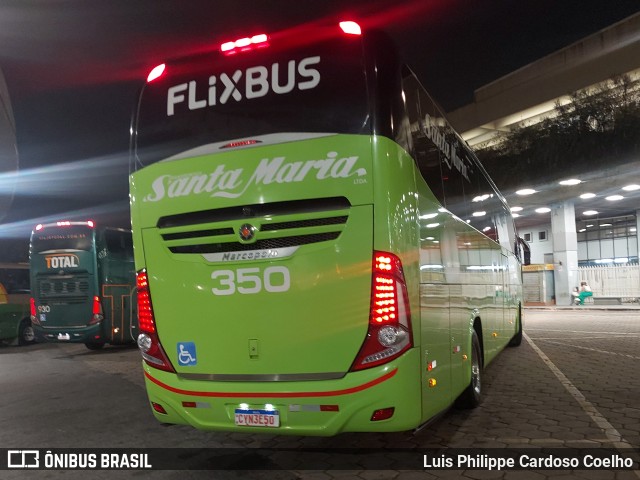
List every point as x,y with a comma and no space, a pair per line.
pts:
117,281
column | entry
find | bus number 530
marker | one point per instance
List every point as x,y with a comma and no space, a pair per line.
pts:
251,280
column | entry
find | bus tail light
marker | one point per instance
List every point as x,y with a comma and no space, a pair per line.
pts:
389,334
245,44
148,343
156,72
350,28
32,310
98,316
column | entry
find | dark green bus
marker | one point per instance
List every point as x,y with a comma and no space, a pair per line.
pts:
82,280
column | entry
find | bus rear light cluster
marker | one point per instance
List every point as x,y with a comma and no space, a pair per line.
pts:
65,223
98,316
146,321
33,313
389,333
148,343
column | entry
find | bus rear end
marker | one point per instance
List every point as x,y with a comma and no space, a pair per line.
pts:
65,306
264,302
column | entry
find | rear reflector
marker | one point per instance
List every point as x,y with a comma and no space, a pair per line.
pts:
329,408
158,408
382,414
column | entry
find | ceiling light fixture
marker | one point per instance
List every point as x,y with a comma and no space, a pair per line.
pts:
571,181
631,188
516,209
590,212
587,195
614,198
543,210
526,191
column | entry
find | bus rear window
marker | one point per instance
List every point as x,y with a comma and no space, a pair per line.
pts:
318,87
63,238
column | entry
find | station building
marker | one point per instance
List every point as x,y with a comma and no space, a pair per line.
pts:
575,227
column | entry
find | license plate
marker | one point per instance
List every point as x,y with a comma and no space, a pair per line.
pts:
257,418
64,336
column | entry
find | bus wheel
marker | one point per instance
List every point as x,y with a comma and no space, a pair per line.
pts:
94,346
26,335
472,395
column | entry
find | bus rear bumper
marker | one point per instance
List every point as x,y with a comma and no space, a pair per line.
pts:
90,334
322,408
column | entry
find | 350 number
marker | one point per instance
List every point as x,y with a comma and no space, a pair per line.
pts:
251,280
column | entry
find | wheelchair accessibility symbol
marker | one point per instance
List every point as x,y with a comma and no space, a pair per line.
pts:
187,354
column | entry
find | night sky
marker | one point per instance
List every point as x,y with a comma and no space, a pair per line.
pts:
73,68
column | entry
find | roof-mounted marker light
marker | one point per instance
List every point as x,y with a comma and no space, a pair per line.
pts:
156,72
244,44
241,143
39,227
351,28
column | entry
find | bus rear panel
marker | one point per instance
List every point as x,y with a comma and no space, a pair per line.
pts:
64,283
82,282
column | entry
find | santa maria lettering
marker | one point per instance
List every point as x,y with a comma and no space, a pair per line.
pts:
429,128
232,183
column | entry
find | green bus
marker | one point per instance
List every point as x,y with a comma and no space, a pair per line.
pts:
82,283
15,325
317,251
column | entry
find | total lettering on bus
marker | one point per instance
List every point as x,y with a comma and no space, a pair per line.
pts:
317,251
82,284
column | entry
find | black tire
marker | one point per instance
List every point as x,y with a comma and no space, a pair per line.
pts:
516,340
94,346
472,395
26,335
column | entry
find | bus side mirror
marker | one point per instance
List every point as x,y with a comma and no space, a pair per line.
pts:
524,248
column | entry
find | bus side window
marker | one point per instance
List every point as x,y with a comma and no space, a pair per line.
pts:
119,244
425,153
487,208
